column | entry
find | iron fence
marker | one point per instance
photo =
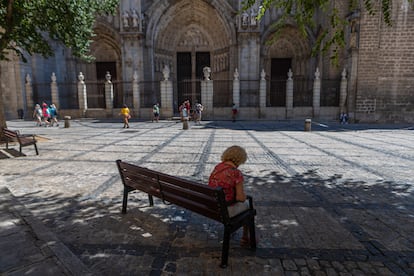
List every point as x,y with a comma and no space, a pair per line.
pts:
302,91
330,89
276,94
223,93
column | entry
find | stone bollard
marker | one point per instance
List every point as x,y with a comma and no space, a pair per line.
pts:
67,121
185,123
308,123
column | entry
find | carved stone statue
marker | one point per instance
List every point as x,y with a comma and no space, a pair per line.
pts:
53,77
263,75
135,19
245,19
290,74
166,72
28,79
236,74
207,72
125,19
253,19
108,76
135,76
317,74
81,77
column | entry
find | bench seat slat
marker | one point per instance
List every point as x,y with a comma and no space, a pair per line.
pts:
190,195
196,207
188,184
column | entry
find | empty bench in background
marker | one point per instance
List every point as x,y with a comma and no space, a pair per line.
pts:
23,139
199,198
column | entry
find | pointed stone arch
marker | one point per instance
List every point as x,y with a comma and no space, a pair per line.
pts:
288,43
191,25
105,48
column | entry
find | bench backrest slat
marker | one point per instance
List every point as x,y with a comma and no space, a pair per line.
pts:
10,134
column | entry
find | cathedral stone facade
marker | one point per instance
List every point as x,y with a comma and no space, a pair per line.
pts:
209,52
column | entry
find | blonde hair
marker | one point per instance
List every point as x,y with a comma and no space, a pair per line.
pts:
235,154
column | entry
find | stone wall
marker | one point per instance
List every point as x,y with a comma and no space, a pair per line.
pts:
386,66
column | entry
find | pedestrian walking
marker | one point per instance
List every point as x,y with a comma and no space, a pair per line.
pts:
38,114
234,112
53,115
46,114
156,112
198,111
125,113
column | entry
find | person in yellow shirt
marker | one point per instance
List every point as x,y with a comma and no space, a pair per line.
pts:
126,115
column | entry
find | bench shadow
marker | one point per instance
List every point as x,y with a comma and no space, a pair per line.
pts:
343,219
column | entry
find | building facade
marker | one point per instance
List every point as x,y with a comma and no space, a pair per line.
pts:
210,52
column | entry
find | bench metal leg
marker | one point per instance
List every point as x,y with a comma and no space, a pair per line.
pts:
252,232
20,150
225,249
124,201
37,152
151,200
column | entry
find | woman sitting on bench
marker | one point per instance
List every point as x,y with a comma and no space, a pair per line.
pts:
227,175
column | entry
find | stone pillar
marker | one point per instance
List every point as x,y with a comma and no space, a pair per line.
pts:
262,95
54,90
109,93
82,95
207,97
343,93
289,95
29,96
167,108
317,94
236,88
135,94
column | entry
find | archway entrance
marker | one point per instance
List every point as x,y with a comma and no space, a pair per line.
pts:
189,75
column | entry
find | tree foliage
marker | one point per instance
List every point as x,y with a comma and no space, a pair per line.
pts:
303,13
26,25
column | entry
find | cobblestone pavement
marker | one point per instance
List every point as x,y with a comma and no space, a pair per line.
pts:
334,201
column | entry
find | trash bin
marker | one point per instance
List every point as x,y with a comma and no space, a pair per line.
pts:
67,121
308,123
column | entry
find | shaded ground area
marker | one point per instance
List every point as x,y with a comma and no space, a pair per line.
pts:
334,201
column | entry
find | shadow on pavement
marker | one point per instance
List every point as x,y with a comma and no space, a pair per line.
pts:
300,217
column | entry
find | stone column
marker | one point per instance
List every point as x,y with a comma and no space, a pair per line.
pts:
54,90
343,93
82,95
109,93
29,96
135,94
262,95
317,94
289,95
207,93
236,88
167,108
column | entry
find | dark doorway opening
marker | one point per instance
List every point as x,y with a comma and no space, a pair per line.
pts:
189,75
278,76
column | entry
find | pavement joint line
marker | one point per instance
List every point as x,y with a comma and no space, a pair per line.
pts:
368,147
198,172
354,164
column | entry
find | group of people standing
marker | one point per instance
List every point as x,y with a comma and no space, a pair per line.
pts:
46,115
186,112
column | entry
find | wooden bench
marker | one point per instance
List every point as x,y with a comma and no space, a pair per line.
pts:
23,140
199,198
